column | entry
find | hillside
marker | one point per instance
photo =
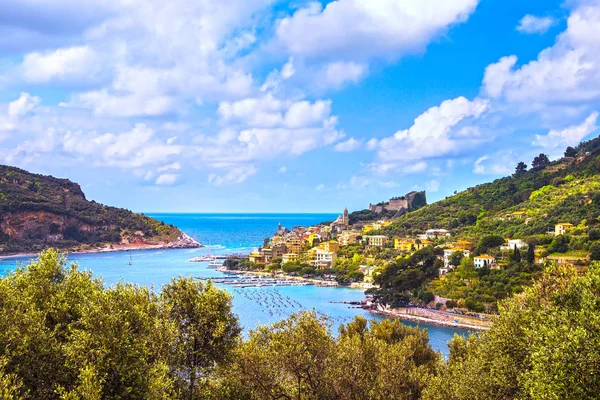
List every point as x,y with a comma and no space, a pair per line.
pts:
38,211
526,208
526,203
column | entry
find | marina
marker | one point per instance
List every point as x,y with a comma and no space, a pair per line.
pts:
245,282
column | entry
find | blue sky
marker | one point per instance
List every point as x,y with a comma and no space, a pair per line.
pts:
273,106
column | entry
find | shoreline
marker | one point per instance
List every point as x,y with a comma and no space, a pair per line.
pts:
184,241
429,321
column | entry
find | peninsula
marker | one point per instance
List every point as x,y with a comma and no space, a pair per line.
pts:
40,211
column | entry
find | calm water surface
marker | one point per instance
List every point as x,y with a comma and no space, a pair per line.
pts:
232,233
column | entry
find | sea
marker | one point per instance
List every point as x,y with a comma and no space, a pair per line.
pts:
228,234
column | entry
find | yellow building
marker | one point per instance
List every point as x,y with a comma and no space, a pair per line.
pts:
561,229
257,257
295,246
410,245
377,240
289,257
367,229
330,246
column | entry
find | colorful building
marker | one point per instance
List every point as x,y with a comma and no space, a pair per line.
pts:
484,261
562,228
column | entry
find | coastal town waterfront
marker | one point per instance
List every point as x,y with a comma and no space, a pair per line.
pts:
229,233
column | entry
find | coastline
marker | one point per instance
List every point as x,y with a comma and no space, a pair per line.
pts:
429,321
184,241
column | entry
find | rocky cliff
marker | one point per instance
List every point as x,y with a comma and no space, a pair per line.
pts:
38,211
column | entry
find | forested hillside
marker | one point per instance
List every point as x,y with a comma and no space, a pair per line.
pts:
38,211
566,190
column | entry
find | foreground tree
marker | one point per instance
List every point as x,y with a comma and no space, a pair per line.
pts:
544,345
74,338
299,358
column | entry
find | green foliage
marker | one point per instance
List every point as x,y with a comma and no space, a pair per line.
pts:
299,358
544,345
76,339
69,214
399,279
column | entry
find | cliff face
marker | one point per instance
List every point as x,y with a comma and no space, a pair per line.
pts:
38,211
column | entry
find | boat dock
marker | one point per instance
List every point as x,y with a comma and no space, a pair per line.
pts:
247,282
219,257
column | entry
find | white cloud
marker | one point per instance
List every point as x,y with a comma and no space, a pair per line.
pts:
532,24
436,132
415,168
167,179
566,73
234,175
132,149
320,187
176,166
501,163
79,62
337,74
348,145
357,30
282,170
24,104
569,136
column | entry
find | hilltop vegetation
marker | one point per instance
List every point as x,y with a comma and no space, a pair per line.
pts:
567,190
38,211
77,339
525,206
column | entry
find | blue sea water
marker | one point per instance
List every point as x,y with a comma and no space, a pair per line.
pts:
226,234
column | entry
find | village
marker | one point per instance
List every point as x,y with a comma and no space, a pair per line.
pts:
353,254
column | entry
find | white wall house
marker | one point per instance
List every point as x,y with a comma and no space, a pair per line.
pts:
449,252
484,261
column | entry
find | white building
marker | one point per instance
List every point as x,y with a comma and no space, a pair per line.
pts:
437,233
484,261
324,258
449,252
512,243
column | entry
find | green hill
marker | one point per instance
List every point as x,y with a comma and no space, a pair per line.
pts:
38,211
526,203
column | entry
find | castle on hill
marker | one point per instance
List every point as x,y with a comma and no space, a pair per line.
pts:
407,202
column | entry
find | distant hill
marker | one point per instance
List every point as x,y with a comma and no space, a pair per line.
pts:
525,203
39,211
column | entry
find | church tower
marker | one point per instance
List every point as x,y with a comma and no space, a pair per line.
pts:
346,220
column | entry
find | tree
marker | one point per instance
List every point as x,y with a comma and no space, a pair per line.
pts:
595,252
516,256
490,241
531,253
77,339
521,168
570,152
540,161
543,345
455,258
207,330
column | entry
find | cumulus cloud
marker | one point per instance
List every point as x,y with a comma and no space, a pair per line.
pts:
438,131
348,145
569,136
567,72
234,175
167,179
73,62
358,30
532,24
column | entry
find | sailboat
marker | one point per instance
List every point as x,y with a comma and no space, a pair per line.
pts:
130,262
